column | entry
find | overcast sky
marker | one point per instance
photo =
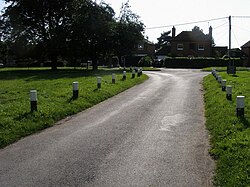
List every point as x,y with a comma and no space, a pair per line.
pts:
155,13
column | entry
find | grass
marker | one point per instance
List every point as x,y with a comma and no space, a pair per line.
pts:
224,69
55,101
230,135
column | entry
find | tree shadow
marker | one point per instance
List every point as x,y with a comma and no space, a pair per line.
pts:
25,115
33,75
245,122
71,99
235,76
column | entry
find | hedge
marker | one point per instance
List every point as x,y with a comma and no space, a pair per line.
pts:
199,62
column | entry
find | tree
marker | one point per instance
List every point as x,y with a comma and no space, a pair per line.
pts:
39,22
3,52
196,28
164,37
71,29
99,31
128,32
91,31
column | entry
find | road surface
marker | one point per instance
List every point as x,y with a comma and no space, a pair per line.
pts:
150,135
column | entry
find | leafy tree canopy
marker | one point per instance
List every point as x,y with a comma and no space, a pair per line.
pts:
164,37
71,28
196,28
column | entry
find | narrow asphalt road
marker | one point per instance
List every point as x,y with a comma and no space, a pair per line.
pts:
150,135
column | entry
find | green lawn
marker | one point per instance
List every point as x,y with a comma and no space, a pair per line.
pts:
54,89
230,136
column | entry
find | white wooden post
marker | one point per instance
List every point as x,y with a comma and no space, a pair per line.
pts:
75,90
240,106
219,79
124,75
229,89
99,80
113,78
33,100
133,74
223,84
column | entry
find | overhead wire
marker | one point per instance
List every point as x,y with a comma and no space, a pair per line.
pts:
194,22
187,23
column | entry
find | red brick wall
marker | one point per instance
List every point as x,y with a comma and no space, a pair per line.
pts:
187,51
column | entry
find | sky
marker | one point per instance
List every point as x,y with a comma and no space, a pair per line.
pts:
157,13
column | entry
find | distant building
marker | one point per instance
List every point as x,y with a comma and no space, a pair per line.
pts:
246,49
145,48
219,51
192,43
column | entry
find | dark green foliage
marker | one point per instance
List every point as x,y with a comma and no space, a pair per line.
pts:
128,32
185,62
230,135
74,30
145,62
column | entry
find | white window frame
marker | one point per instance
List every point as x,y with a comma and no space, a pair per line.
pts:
180,47
201,47
141,46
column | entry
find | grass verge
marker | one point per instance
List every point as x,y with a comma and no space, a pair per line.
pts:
55,101
230,135
221,69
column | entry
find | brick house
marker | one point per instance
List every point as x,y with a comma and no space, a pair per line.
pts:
246,49
191,43
145,48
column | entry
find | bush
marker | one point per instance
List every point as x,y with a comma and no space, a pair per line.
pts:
145,62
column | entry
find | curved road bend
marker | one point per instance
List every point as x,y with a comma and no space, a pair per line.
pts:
150,135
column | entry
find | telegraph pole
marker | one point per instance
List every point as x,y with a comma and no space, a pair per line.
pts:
230,31
231,69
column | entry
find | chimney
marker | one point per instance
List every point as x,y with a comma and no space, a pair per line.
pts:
210,32
173,32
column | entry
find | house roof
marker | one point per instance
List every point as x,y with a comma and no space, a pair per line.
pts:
192,36
246,44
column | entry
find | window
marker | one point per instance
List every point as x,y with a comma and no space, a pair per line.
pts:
192,46
201,47
140,46
179,47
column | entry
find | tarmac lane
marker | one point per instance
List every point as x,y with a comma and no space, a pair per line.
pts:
150,135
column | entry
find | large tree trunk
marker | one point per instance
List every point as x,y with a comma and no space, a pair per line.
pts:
94,63
53,62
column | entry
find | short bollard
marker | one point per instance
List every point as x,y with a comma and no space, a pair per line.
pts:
139,73
223,84
113,78
240,106
124,75
99,82
229,89
219,79
214,72
216,76
133,74
75,90
33,100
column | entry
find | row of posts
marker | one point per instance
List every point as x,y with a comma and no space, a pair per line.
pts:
33,93
240,100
